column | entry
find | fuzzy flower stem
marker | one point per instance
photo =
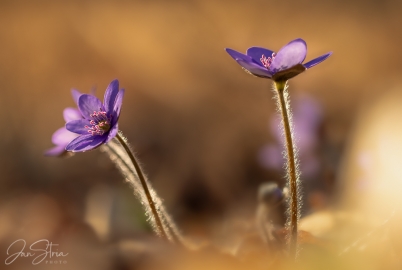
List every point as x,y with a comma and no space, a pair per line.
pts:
291,167
144,185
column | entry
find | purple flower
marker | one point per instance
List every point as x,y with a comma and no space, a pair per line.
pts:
281,66
99,123
62,136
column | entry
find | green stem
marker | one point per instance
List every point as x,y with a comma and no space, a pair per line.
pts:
291,167
144,185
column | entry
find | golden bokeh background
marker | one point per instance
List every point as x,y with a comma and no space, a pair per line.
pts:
198,124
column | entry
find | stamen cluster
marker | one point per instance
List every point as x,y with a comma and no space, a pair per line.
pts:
266,62
100,123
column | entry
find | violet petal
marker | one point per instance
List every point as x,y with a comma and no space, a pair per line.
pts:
78,126
238,56
110,95
112,133
289,73
89,104
256,53
249,64
289,55
254,69
93,90
85,143
317,60
62,136
117,105
76,95
71,114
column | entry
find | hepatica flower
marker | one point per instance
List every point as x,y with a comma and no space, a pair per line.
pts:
62,136
281,66
99,120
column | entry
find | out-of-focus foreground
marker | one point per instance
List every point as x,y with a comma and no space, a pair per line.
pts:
206,133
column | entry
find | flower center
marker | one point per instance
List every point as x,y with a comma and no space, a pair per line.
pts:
266,62
100,123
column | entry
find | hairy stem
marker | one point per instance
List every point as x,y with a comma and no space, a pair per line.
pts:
122,163
151,203
291,168
119,156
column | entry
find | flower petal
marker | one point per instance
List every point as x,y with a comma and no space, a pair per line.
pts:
78,126
317,60
112,133
110,95
89,104
71,114
256,52
254,69
93,90
290,55
76,95
85,143
248,64
117,106
55,151
289,73
238,56
62,136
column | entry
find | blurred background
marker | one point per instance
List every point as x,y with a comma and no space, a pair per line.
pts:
206,133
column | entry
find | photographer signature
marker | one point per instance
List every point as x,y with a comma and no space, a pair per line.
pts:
35,251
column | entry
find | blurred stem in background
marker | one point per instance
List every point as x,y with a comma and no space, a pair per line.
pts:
292,174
